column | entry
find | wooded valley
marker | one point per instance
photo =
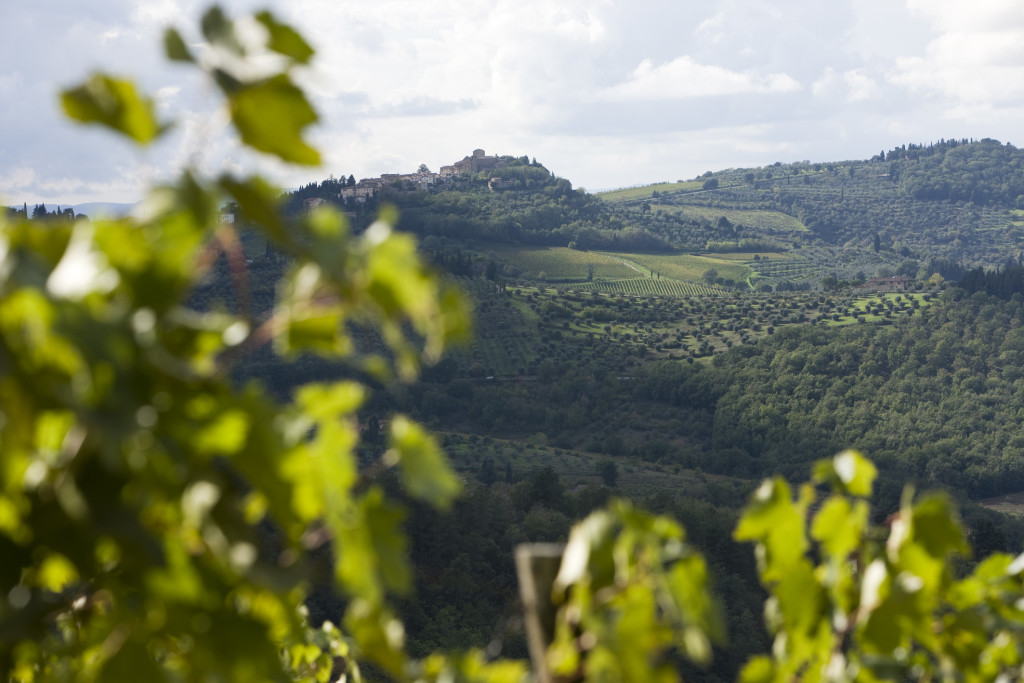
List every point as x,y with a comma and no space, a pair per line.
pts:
677,344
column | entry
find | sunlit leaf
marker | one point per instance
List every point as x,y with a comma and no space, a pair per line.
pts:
773,519
856,472
56,572
224,435
758,670
331,401
315,330
839,525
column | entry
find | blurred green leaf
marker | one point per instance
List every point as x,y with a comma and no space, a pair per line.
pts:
385,520
56,572
270,116
116,104
838,526
259,201
851,471
284,39
772,519
379,634
225,434
759,669
175,48
220,30
314,330
132,662
425,471
470,667
936,527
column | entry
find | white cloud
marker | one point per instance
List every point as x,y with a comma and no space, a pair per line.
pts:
157,13
683,77
711,31
860,86
976,58
956,15
604,92
852,86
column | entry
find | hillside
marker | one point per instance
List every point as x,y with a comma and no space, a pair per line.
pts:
674,344
914,210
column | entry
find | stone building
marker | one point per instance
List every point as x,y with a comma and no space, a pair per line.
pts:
477,162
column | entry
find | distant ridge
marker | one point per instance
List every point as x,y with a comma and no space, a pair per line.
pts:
102,209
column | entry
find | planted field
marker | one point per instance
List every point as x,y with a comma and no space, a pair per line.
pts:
794,268
766,220
686,267
880,307
750,256
623,323
650,287
562,263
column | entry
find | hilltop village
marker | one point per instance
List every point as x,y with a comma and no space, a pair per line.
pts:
424,179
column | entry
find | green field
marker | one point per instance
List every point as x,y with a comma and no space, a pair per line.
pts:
562,263
766,220
673,271
687,267
645,192
1010,504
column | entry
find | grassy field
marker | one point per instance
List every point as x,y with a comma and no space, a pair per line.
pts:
686,267
668,274
562,263
1010,504
645,192
766,220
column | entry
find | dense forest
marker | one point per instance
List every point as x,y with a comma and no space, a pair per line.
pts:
611,407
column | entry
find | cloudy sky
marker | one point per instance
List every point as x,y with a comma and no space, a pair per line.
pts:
605,93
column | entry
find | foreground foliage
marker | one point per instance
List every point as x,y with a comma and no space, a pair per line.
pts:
157,519
877,606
